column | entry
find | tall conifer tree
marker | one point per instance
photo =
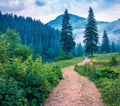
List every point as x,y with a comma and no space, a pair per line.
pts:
105,43
113,49
79,50
91,34
67,41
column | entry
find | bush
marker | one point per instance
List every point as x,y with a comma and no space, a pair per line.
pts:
23,51
106,73
36,87
24,81
11,94
63,56
113,61
110,91
31,80
58,71
106,79
86,70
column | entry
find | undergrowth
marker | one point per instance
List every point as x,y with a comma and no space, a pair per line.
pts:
106,75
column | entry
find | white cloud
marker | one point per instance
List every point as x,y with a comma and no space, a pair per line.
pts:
11,5
109,14
47,10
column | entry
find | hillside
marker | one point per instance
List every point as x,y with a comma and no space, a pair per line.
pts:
78,23
42,39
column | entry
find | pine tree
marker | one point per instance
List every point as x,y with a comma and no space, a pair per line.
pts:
33,33
105,43
67,41
91,34
79,50
113,49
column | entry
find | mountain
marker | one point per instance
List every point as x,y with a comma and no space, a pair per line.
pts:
78,23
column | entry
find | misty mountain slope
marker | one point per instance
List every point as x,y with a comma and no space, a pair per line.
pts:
113,29
78,24
74,20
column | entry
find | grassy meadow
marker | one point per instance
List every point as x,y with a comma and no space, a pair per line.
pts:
104,71
67,62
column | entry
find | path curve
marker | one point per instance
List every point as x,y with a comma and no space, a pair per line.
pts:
74,90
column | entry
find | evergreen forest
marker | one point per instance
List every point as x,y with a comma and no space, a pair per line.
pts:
42,39
35,58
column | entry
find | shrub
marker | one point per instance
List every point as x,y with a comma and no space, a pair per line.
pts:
23,81
23,51
58,71
113,61
106,79
64,56
33,81
11,94
110,90
106,73
86,70
36,87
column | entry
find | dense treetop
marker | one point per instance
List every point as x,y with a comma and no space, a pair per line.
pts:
42,39
105,43
91,34
67,41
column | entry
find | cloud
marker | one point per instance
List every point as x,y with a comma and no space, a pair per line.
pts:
46,10
109,14
39,3
11,5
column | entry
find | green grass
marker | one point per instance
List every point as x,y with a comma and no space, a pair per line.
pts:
105,57
103,61
100,71
66,63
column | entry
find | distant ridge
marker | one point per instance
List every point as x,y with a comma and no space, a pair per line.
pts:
78,23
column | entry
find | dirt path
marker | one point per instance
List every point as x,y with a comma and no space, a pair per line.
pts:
74,90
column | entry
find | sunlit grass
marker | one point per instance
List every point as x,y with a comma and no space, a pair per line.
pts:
66,63
104,59
109,87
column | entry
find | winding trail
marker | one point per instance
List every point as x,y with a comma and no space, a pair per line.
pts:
74,90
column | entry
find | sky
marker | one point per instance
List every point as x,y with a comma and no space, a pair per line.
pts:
47,10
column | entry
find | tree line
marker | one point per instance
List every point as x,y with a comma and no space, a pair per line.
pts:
91,37
42,39
24,81
49,43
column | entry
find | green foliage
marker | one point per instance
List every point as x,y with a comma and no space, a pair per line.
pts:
110,91
106,73
113,48
23,51
106,78
12,38
79,50
3,48
50,53
112,88
91,34
10,47
10,94
33,33
67,41
86,70
57,69
24,82
113,61
67,62
63,56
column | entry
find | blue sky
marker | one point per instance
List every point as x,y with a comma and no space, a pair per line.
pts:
46,10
